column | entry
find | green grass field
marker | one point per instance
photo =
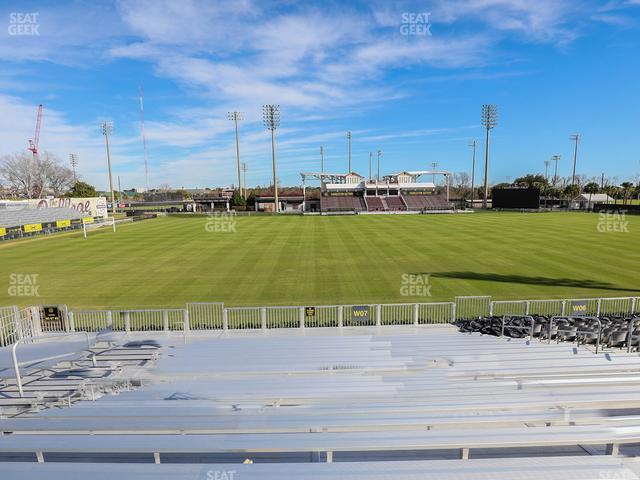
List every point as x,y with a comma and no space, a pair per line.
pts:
328,260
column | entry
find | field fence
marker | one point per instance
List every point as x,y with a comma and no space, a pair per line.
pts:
16,323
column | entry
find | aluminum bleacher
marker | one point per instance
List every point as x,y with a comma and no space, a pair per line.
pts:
391,394
18,217
375,204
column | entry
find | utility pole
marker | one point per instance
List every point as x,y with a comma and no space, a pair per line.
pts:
271,120
576,138
321,159
370,164
555,158
107,129
489,121
235,116
119,191
473,144
73,160
349,139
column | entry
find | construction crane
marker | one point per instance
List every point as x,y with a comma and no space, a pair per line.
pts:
33,144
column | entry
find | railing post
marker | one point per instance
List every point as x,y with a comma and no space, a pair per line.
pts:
165,320
187,327
127,322
490,308
109,319
416,314
16,323
301,317
564,306
36,322
72,325
340,318
454,312
225,319
263,318
598,309
633,305
526,308
378,315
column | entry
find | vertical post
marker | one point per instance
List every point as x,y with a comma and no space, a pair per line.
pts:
127,322
527,307
165,320
633,305
301,317
72,325
109,319
340,317
598,308
263,318
490,308
564,307
16,323
187,327
416,314
454,312
378,315
225,319
275,176
16,369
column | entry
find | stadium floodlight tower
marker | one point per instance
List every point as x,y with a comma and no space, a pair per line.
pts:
271,120
576,138
349,139
473,144
321,159
107,129
555,158
546,169
235,117
489,121
73,160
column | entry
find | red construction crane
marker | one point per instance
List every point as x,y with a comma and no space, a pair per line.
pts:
33,144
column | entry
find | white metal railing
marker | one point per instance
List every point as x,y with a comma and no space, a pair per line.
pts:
16,324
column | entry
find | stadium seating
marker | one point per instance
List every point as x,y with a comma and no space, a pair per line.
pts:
375,204
395,203
342,204
614,331
426,202
23,216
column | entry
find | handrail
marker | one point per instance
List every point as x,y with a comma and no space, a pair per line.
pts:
531,328
578,331
14,356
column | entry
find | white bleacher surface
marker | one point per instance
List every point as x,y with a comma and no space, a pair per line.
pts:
389,402
23,216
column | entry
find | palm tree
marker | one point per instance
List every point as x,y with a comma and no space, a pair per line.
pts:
591,188
626,189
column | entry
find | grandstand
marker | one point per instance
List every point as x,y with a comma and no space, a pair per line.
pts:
21,222
397,192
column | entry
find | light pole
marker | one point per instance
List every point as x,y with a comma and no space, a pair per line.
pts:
321,159
434,165
555,158
576,138
107,129
73,160
244,178
370,165
489,121
473,144
546,169
378,179
235,117
349,139
271,120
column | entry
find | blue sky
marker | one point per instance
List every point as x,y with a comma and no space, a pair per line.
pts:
553,67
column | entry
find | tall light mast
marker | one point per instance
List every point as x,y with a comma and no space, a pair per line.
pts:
144,138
